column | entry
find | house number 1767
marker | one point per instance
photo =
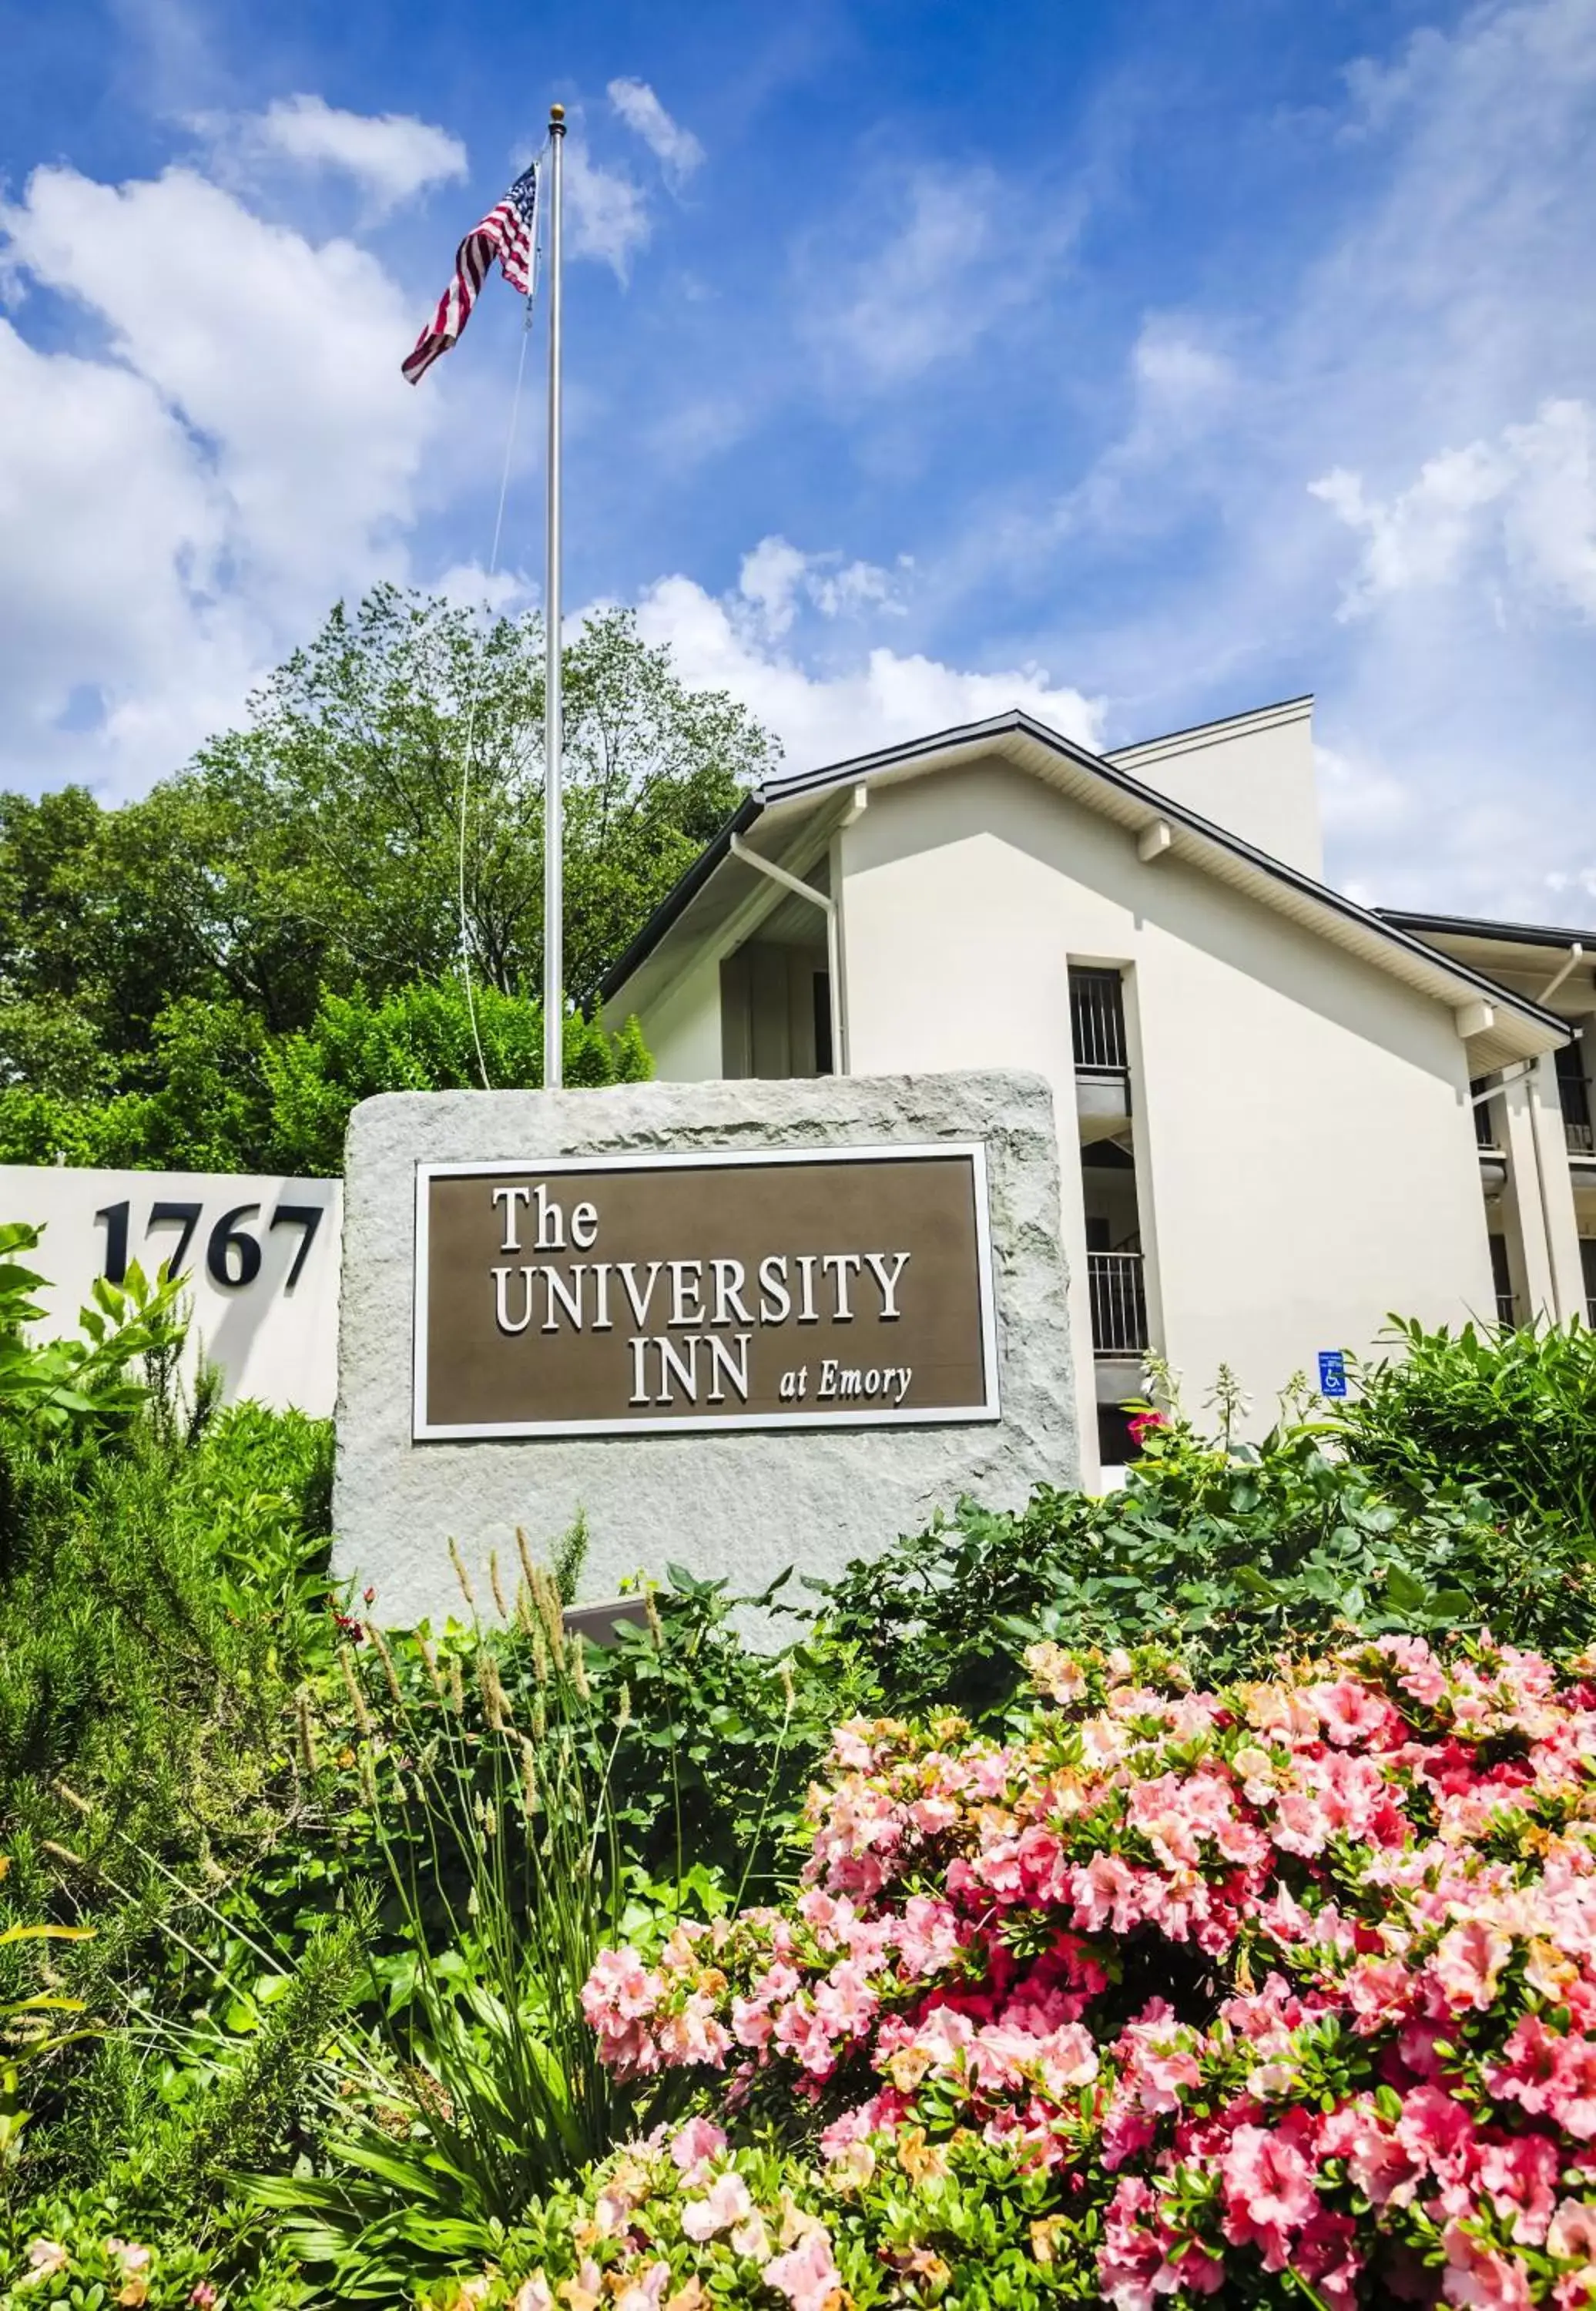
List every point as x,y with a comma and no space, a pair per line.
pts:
232,1253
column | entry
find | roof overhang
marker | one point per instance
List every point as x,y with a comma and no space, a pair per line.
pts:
790,820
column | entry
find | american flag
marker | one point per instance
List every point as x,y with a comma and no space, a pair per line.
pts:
506,233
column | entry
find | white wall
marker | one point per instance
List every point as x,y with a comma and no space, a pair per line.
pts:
276,1342
684,1031
1253,775
1306,1165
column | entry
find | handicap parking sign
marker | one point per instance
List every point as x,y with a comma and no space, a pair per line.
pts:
1333,1372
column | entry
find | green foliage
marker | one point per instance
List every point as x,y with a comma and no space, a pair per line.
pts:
1231,1555
86,2250
29,2030
159,960
483,2088
419,1039
155,1608
68,1391
343,1897
1511,1411
244,2095
350,774
231,1097
721,1735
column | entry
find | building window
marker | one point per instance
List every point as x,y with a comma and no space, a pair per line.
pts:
1502,1276
1097,1020
1575,1095
1485,1109
823,1062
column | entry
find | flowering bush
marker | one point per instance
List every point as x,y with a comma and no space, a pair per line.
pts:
1284,1989
84,2253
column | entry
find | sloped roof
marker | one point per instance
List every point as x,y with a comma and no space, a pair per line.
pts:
774,816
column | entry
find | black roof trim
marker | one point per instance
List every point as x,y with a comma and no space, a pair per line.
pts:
1479,927
681,894
862,766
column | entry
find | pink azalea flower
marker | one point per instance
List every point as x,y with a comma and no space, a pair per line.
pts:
728,2203
1476,2274
1469,1963
806,2274
694,2145
1269,2193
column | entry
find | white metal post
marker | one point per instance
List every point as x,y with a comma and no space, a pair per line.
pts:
554,889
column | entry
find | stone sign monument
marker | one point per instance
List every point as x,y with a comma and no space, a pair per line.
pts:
737,1325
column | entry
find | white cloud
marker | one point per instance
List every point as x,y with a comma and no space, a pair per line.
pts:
1420,538
1426,374
676,148
1181,390
962,250
176,511
1530,494
827,717
392,156
499,593
607,214
775,574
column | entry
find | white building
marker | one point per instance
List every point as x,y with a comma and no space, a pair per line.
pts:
1272,1090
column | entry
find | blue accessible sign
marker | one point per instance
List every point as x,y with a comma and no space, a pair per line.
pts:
1333,1372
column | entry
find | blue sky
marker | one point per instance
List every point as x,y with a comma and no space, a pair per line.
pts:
1139,363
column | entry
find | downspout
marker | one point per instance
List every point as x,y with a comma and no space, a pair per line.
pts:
828,906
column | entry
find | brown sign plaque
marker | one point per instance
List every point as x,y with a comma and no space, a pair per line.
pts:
612,1295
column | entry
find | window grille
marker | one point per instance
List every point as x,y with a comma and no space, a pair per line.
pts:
1575,1093
1097,1022
1116,1283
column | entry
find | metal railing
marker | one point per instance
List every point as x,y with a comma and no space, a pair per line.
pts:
1485,1126
1575,1094
1097,1022
1506,1309
1115,1281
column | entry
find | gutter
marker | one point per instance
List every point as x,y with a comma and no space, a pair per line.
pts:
679,897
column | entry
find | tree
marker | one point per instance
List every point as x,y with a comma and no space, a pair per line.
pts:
157,960
368,747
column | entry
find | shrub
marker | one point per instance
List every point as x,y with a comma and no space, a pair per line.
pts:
420,1039
1509,1411
86,2251
1284,1989
218,1092
1232,1553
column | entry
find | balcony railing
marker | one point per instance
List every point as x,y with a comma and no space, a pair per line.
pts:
1575,1094
1119,1303
1485,1120
1097,1022
1506,1310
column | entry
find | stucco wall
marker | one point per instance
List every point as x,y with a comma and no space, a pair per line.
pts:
1304,1162
1255,777
684,1031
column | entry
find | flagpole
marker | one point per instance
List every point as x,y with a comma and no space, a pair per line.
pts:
554,833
